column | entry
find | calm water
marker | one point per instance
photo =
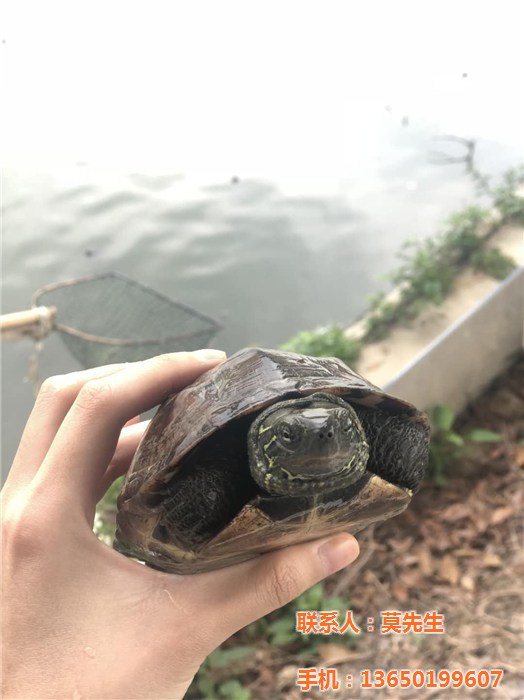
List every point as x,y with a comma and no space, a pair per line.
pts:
271,210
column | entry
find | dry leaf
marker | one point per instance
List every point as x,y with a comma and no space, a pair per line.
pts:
411,578
266,676
456,511
492,560
435,533
499,515
449,570
425,560
287,675
481,523
466,552
334,653
408,560
468,583
415,662
400,591
401,545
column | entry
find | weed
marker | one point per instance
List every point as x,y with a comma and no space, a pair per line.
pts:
104,527
493,262
510,205
428,268
448,446
277,631
330,341
383,314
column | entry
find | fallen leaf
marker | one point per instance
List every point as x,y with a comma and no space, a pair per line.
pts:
411,578
456,511
401,545
408,560
334,653
400,591
415,662
468,583
492,560
466,552
435,534
499,515
448,569
425,561
481,524
287,675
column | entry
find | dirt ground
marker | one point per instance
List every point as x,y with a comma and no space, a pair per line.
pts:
457,550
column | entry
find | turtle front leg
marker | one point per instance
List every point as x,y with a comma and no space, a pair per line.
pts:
399,447
206,493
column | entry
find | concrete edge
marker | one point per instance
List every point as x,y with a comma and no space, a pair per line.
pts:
464,359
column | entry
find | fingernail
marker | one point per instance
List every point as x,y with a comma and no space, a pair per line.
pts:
209,354
338,552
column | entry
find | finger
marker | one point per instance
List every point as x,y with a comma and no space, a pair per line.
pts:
54,400
128,441
86,441
248,591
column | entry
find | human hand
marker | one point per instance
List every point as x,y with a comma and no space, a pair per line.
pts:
81,620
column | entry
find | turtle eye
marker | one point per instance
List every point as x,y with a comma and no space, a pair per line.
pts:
287,433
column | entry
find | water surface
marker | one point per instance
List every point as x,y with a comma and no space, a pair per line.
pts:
263,171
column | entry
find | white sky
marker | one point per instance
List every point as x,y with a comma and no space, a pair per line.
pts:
252,87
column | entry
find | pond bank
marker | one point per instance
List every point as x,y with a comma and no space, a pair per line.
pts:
383,361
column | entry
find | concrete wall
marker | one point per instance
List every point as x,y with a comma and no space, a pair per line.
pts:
458,364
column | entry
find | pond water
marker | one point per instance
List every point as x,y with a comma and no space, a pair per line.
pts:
269,189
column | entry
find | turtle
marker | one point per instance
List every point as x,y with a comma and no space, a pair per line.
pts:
267,449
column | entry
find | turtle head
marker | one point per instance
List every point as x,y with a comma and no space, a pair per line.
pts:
307,446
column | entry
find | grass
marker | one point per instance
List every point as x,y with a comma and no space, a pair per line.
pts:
427,271
429,268
330,341
277,631
448,446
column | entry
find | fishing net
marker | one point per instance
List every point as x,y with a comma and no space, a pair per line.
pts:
110,318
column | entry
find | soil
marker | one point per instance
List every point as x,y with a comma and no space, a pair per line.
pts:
457,550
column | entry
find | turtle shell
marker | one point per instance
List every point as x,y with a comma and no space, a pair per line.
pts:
237,391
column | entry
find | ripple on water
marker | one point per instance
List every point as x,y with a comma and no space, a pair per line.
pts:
114,202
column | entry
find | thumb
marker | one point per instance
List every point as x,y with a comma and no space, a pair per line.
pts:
243,593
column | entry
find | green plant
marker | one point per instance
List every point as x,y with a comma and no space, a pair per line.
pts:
423,273
209,682
428,268
279,628
448,445
233,690
493,262
330,341
278,631
510,205
482,182
106,512
427,272
382,315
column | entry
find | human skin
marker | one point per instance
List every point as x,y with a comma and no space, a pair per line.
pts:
81,620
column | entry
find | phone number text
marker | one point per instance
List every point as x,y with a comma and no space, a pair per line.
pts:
328,679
